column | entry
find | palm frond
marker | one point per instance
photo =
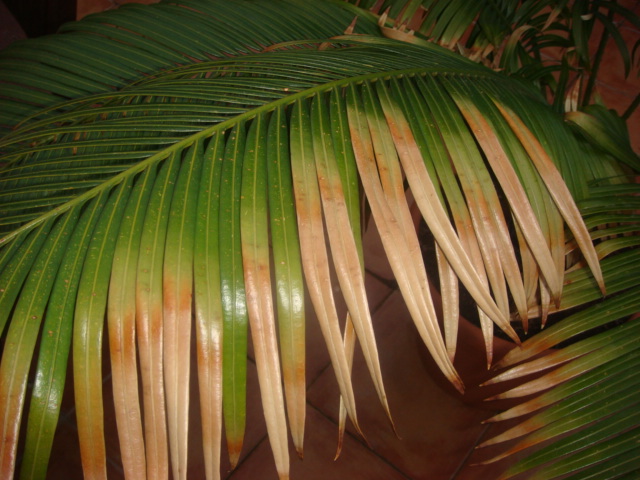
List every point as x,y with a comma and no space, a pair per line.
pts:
546,42
107,51
590,413
177,175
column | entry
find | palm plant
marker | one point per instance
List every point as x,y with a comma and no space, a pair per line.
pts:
193,162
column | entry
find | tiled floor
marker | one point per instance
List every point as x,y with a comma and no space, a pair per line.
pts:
437,429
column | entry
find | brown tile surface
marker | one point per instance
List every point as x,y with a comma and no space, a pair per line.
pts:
617,90
357,462
256,429
65,462
317,354
473,467
65,457
375,259
87,7
436,429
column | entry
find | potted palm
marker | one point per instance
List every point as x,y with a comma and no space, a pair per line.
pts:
189,165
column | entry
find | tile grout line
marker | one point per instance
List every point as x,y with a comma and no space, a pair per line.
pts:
247,456
250,452
466,458
359,440
392,290
389,282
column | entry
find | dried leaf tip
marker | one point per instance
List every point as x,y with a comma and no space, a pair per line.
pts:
459,386
234,454
393,426
340,443
349,30
383,18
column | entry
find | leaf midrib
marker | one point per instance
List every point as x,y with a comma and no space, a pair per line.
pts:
222,126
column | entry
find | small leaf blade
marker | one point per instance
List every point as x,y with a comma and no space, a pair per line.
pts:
256,264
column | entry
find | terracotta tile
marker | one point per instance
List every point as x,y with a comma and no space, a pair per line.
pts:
146,2
375,258
318,464
612,63
377,291
619,101
87,7
256,428
317,355
110,425
65,457
611,71
616,90
436,428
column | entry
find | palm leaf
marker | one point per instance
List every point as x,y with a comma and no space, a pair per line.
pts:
232,287
88,326
177,289
122,329
51,369
153,170
22,334
208,305
591,409
532,39
596,395
288,273
314,253
255,259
